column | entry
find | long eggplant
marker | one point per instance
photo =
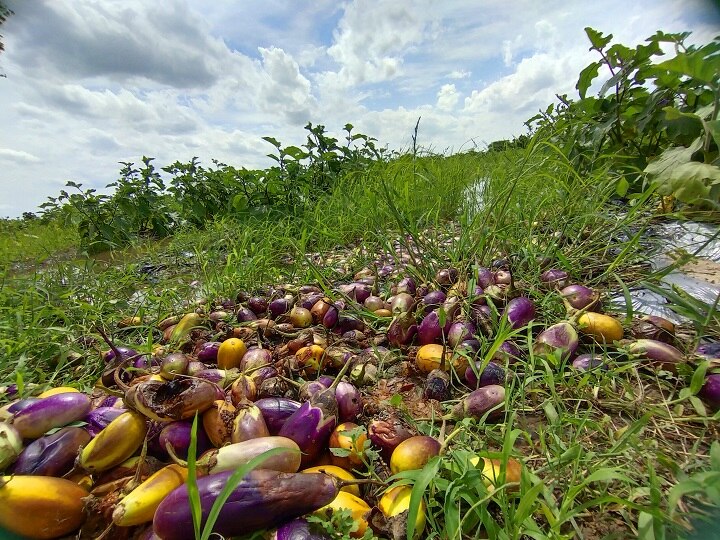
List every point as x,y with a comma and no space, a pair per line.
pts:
276,410
52,455
262,500
232,456
114,444
51,412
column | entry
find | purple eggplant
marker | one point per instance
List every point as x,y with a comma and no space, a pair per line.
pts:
492,374
99,418
297,529
222,377
406,285
52,455
429,329
485,277
276,410
520,311
561,337
248,423
432,300
709,351
402,330
207,353
258,304
437,385
586,362
460,331
710,391
580,296
507,352
480,402
51,412
263,499
349,401
401,303
278,307
15,407
554,277
656,353
244,315
177,435
311,425
309,389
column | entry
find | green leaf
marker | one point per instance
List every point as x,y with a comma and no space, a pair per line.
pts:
702,64
622,186
193,493
646,528
713,126
586,78
596,38
682,128
698,378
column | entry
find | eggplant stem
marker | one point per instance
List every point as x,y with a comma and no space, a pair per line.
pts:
340,375
107,340
135,482
105,532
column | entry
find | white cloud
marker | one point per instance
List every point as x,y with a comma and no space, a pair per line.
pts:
459,74
17,156
447,97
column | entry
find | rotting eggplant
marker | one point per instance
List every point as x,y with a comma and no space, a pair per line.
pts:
263,499
492,374
11,445
656,353
414,453
248,423
297,529
178,399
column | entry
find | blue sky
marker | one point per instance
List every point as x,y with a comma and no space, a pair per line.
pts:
90,84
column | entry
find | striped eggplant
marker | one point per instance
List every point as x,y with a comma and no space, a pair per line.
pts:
99,418
231,456
248,423
51,412
263,499
52,455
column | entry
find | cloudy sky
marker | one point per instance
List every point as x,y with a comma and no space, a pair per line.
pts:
91,83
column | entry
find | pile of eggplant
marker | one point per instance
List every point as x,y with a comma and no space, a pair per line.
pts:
298,370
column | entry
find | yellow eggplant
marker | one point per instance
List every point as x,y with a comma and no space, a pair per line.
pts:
140,504
114,444
359,510
182,329
395,501
338,472
603,328
40,506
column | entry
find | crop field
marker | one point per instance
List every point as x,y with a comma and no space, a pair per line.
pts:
452,338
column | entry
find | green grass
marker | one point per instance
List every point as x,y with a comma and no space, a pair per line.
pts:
602,450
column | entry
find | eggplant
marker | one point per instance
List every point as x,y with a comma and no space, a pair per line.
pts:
479,402
207,353
52,455
233,455
656,353
10,445
429,329
709,351
492,374
7,411
177,435
402,329
554,277
349,401
98,419
248,423
297,529
258,304
580,296
51,412
710,391
254,358
386,435
222,377
561,337
174,364
263,499
243,389
178,399
218,422
432,300
311,425
414,453
244,314
401,303
437,385
276,411
460,331
586,362
520,311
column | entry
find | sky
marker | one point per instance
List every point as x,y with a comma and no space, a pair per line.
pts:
88,84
